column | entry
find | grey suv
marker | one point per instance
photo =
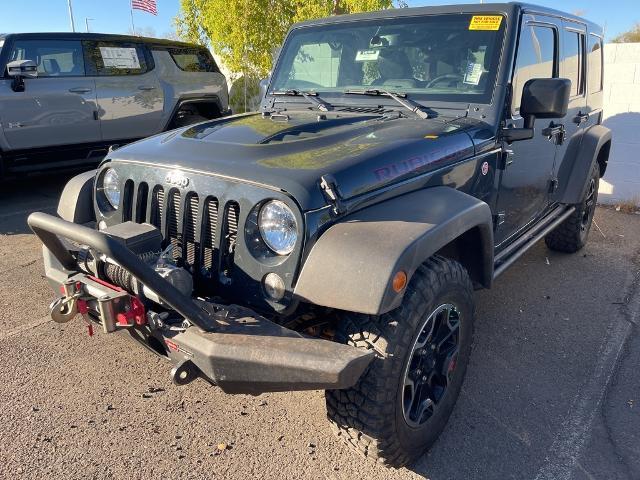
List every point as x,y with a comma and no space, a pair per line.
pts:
66,98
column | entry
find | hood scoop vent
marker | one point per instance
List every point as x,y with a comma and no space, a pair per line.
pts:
290,136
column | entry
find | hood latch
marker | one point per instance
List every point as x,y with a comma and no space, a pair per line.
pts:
331,192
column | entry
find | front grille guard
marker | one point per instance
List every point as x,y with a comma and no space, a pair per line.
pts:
49,228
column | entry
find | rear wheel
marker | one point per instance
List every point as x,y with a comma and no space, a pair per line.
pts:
401,404
572,234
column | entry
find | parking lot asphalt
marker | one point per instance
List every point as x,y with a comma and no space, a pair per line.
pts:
552,390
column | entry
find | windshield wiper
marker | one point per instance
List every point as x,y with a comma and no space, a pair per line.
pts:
401,98
311,97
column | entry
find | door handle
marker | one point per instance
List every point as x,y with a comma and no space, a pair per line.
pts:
146,87
80,90
580,118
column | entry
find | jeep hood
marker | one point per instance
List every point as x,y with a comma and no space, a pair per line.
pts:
363,153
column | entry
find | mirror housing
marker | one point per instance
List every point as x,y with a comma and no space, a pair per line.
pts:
545,98
20,69
264,83
541,98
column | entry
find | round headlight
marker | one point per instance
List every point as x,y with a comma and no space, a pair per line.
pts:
278,227
111,187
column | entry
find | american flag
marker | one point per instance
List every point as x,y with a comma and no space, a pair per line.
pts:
149,6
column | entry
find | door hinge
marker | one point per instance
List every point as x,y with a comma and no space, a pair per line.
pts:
505,159
498,219
331,193
555,132
553,185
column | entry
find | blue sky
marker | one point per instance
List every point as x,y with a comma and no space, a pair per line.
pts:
112,16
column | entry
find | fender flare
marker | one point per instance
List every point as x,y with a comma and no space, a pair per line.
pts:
576,166
351,266
76,201
209,99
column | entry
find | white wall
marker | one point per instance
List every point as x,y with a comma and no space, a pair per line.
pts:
621,182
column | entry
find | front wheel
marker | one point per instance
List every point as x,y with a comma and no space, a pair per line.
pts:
402,402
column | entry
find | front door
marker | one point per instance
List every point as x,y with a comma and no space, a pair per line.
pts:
526,180
58,107
129,94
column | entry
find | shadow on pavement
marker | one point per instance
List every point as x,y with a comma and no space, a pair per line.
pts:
539,332
20,197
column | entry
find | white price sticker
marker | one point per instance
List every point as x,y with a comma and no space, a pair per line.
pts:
118,57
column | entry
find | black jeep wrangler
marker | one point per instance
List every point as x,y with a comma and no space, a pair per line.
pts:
401,159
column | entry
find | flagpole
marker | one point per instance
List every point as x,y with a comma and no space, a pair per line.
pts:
73,25
133,27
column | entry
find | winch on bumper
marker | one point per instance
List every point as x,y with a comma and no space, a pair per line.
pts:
231,346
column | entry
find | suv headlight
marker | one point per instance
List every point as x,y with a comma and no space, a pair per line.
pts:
111,187
278,227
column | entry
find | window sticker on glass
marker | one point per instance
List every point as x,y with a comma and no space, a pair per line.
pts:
367,55
118,57
485,22
473,73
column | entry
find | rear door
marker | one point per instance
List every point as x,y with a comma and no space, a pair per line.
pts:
129,94
58,107
573,67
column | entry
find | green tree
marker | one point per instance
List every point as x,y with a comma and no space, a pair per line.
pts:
632,36
246,33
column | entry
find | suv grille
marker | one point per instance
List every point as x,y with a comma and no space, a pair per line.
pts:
190,224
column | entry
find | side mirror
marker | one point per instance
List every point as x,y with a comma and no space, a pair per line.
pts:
264,83
20,69
541,98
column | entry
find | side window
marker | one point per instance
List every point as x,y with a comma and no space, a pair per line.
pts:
594,60
572,63
55,58
193,60
536,58
116,58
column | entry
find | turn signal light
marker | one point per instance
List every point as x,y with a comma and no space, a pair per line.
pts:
399,281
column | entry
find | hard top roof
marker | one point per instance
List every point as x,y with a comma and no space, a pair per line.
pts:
510,8
98,36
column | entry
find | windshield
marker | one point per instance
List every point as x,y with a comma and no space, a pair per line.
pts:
441,57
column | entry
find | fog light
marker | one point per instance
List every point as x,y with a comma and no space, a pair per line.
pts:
274,286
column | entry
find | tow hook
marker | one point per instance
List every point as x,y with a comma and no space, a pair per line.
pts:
184,373
63,309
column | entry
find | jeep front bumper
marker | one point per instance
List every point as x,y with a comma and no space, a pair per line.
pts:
230,346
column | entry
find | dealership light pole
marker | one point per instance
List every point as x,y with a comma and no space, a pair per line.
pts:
73,25
86,22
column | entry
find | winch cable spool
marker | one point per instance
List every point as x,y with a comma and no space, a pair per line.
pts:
121,277
47,228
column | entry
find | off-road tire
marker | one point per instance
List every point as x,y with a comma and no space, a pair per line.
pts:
572,234
369,416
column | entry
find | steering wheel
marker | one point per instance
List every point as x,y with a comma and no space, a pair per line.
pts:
442,78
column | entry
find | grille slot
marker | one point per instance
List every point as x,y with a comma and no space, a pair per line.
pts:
127,201
232,213
192,207
173,218
157,207
141,203
209,244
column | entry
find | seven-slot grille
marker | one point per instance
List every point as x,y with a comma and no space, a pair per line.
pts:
189,223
